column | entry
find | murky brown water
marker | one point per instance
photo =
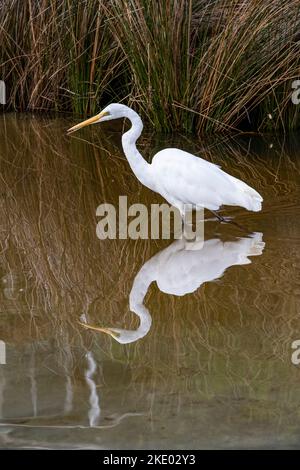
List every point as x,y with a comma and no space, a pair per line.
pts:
214,369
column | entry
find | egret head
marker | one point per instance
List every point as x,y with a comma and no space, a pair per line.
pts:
112,111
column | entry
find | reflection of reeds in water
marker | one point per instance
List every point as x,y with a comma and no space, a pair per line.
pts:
230,337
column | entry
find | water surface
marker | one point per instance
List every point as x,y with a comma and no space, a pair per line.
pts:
214,368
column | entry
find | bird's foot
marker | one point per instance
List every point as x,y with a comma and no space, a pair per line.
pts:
220,218
228,220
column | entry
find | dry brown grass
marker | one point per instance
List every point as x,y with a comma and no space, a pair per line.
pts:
185,65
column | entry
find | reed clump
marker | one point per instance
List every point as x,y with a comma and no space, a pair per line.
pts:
191,65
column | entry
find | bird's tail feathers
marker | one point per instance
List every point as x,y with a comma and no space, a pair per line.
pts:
251,199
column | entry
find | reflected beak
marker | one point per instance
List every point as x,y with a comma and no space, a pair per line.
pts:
108,331
87,122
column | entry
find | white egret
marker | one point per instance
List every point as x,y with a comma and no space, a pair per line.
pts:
180,177
180,269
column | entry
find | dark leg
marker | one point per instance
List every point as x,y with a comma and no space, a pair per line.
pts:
229,221
219,217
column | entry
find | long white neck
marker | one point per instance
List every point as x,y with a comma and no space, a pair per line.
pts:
139,166
146,275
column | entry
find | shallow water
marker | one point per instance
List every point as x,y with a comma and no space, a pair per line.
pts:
215,368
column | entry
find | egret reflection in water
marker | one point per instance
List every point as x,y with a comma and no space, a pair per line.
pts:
180,269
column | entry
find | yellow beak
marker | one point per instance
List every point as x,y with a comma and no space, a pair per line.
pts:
108,331
87,122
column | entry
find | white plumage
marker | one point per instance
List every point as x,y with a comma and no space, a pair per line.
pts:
180,177
185,178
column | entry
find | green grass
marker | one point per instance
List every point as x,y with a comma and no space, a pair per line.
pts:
191,65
